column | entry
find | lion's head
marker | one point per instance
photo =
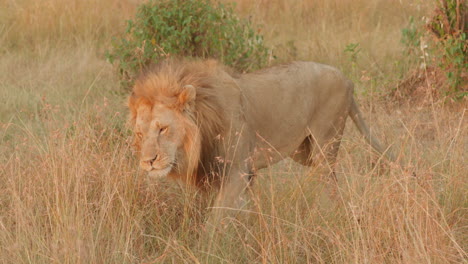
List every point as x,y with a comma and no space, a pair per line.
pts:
173,111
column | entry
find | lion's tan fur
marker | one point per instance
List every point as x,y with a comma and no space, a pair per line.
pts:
247,121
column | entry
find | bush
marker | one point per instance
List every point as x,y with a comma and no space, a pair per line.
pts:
449,25
445,45
189,28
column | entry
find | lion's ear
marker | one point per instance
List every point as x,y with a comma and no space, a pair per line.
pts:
187,95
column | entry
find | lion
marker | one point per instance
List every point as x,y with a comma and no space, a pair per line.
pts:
202,123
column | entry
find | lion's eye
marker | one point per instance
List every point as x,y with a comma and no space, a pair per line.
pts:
163,130
139,135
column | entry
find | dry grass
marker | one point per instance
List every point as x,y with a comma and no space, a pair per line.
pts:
71,192
56,22
321,30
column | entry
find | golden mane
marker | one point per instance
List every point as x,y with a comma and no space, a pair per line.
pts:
163,83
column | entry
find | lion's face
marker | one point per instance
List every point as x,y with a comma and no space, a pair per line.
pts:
159,136
164,134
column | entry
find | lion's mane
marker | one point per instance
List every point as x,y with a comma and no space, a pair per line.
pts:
163,83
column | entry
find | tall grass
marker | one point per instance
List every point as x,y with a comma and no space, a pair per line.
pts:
71,191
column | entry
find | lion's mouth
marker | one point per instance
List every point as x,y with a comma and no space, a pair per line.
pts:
158,173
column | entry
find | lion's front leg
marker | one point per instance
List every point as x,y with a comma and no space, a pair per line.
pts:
230,201
233,196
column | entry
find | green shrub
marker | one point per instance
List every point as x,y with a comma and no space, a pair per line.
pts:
450,27
445,41
188,28
411,37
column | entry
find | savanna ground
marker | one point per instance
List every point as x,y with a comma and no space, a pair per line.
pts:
71,190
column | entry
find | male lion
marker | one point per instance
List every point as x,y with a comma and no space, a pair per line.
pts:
199,122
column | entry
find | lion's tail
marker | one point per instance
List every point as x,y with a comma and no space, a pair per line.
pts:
356,116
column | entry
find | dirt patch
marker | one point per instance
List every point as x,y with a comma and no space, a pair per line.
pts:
422,86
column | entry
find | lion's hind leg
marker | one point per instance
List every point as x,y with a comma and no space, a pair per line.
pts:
321,150
303,154
320,153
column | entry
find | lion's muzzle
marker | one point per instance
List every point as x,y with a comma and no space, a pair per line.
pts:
156,166
147,163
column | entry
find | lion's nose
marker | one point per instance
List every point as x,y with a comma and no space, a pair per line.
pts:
152,160
149,162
